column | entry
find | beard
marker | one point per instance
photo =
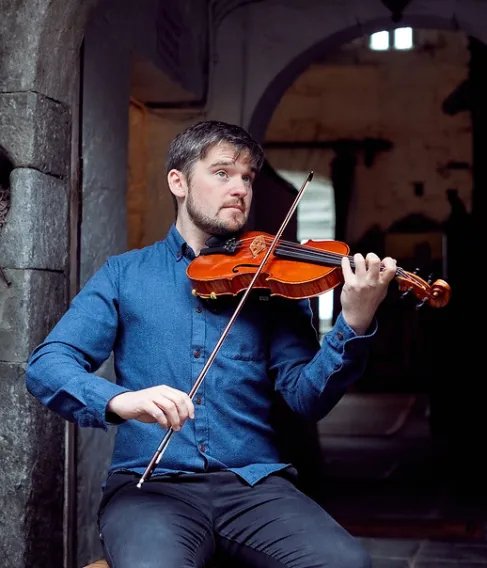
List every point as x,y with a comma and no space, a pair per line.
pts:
213,225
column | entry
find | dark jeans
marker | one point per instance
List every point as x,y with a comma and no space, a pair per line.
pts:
184,521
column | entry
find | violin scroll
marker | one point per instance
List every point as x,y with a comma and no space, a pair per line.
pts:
436,294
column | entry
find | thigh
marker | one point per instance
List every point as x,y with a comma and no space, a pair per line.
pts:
273,525
162,525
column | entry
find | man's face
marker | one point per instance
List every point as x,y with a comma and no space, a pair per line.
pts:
220,191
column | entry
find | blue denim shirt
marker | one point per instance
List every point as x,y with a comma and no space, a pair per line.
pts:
140,306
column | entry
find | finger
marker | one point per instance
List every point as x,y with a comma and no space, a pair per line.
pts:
373,266
346,268
182,401
156,414
170,410
390,268
189,406
360,266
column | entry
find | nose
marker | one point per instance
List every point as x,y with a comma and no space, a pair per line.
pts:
240,188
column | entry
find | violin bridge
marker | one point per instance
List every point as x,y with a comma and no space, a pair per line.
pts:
257,245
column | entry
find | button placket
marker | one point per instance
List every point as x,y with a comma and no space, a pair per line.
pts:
199,335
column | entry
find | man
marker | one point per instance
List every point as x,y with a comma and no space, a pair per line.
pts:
221,485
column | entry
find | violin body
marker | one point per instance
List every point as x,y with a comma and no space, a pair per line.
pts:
219,274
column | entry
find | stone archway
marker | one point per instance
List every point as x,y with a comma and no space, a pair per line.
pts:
283,75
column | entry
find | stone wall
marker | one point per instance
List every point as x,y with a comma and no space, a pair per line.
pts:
36,131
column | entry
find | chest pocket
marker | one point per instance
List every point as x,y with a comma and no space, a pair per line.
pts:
248,337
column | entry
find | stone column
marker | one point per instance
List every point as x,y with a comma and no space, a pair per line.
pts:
35,130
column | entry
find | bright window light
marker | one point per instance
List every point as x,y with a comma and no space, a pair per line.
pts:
379,41
316,221
403,38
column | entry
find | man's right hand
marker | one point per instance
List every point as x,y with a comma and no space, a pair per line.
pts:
165,405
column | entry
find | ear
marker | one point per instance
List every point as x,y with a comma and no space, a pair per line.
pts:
177,183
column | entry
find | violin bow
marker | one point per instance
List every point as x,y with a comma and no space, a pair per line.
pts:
156,458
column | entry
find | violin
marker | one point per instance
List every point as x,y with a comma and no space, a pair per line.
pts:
293,270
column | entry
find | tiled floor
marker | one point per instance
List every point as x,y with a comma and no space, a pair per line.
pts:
386,483
413,553
450,542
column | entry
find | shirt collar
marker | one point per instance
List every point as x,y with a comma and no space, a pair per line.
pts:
180,248
177,245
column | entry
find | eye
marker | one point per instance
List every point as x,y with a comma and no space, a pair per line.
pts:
221,173
248,179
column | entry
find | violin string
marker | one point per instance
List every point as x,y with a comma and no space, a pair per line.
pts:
335,259
309,253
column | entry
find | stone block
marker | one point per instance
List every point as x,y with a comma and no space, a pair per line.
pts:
29,308
40,46
36,131
35,234
32,488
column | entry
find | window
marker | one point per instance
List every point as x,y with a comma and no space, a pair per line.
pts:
400,38
380,41
316,220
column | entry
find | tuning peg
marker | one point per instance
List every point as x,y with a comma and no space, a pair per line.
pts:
419,305
406,293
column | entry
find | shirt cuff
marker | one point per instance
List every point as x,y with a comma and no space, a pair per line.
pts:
343,338
99,416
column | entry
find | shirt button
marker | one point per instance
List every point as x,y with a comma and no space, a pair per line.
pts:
197,353
198,400
340,335
198,309
203,448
